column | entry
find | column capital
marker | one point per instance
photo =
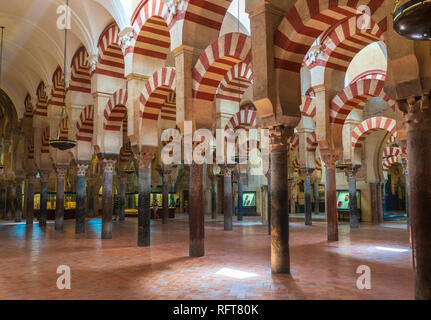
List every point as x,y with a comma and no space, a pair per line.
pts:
307,172
81,168
61,172
108,165
92,60
278,136
351,170
329,157
227,169
30,176
126,37
145,157
417,111
44,176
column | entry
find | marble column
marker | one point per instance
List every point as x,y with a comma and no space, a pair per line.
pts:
165,192
214,199
227,197
374,190
44,178
107,207
3,202
90,198
242,179
196,211
29,198
418,119
307,195
81,170
123,184
59,210
144,196
329,158
406,175
18,193
9,201
353,201
280,256
268,176
316,198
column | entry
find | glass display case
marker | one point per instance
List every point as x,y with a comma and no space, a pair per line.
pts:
249,203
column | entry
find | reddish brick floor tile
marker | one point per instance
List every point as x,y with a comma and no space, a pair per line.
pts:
118,269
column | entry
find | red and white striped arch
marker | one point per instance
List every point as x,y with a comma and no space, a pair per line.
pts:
85,125
125,153
293,141
308,108
388,162
80,80
151,25
391,141
57,91
156,92
306,21
64,129
391,152
342,42
28,113
30,148
377,74
355,96
311,142
295,164
111,59
366,127
42,101
235,83
115,111
215,62
45,141
207,13
169,108
318,164
245,119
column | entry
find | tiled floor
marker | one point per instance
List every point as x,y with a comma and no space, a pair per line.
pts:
118,269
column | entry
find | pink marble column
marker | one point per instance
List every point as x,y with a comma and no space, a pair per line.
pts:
59,208
81,170
108,164
29,199
196,211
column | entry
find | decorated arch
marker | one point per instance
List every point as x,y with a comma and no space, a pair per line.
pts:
371,125
110,56
80,80
115,111
85,125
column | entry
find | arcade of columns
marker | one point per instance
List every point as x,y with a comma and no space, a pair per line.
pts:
160,72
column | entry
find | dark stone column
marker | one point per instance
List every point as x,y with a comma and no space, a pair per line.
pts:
418,119
374,190
196,211
81,170
227,199
242,179
29,198
307,195
18,193
108,168
353,201
90,197
9,201
144,196
268,176
316,198
59,210
214,199
330,157
165,190
280,256
2,202
406,175
44,178
123,184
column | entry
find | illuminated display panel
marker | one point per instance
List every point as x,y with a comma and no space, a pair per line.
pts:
249,199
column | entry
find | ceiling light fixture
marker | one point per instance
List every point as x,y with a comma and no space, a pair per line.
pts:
412,19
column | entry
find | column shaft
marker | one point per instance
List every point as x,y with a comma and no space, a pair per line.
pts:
43,202
107,207
122,199
196,211
144,215
59,210
316,198
18,212
331,202
227,201
280,255
90,200
307,196
353,203
30,201
165,191
240,194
